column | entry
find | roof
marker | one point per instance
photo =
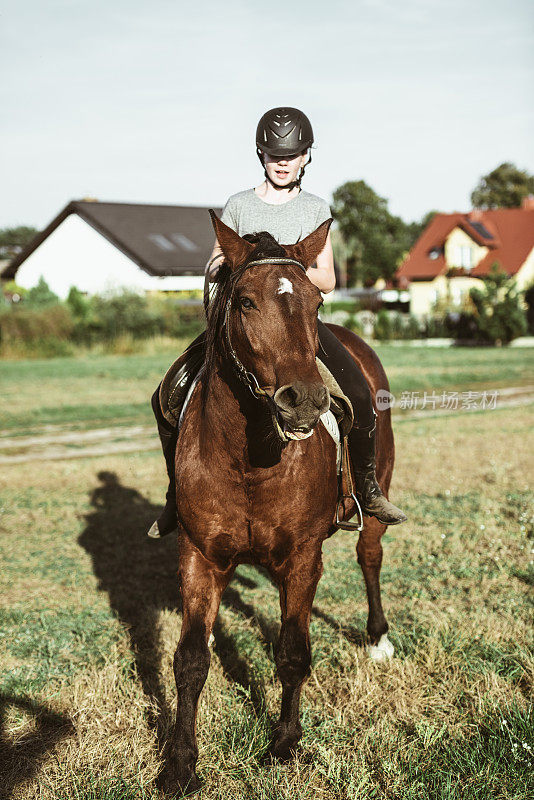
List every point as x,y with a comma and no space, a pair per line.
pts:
161,239
507,232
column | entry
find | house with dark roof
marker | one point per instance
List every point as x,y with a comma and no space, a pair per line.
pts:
99,246
456,252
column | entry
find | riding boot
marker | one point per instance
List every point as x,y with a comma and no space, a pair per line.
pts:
174,387
368,492
167,521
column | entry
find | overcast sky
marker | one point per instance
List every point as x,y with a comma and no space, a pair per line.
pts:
158,101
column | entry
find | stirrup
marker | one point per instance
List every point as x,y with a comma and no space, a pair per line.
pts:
345,472
347,525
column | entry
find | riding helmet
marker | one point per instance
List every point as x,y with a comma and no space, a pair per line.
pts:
284,132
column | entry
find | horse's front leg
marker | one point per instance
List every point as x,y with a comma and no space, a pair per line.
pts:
297,585
201,586
369,549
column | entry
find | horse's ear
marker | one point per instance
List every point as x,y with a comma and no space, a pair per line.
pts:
235,249
309,248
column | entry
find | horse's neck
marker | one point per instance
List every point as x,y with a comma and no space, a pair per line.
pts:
237,422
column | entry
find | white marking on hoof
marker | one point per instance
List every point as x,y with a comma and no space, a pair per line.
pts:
382,651
211,640
154,531
285,286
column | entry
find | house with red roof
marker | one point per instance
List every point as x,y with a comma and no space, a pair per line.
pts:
456,252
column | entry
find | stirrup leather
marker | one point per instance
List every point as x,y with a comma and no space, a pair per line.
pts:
346,492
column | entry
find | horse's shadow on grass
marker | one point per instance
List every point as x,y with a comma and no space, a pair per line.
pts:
20,758
139,576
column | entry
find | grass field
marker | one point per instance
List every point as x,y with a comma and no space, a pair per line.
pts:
89,615
88,391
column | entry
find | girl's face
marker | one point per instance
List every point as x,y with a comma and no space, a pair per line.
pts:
283,170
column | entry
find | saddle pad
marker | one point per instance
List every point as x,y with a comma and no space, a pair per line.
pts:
340,404
330,423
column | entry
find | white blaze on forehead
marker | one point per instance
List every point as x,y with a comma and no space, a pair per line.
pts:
285,286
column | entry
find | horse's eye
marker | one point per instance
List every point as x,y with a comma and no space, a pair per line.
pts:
246,302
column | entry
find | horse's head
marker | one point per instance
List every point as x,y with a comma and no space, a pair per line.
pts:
264,317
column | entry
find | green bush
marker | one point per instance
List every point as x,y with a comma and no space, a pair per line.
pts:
42,332
117,314
499,314
78,304
40,296
395,325
404,327
383,329
178,318
462,325
353,325
22,324
435,327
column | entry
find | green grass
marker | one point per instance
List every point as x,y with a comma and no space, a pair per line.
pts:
99,390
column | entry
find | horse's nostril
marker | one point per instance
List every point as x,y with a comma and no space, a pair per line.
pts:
287,397
291,396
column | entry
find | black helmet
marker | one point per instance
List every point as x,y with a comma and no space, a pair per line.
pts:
284,132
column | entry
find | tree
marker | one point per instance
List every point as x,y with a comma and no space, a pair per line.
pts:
78,304
505,187
499,313
13,240
375,239
41,295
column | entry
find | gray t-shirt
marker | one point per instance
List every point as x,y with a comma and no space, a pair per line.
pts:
288,222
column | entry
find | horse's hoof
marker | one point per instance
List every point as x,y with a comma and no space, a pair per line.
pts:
181,786
283,749
382,651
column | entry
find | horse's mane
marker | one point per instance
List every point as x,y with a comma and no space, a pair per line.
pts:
265,247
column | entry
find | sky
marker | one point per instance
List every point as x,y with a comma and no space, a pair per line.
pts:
158,102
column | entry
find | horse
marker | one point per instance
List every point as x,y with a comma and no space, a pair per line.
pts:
256,476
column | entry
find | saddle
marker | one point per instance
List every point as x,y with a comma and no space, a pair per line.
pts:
179,379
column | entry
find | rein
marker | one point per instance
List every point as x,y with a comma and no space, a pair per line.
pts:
246,376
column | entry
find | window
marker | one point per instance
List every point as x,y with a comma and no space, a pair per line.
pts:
162,242
173,241
463,256
184,242
456,295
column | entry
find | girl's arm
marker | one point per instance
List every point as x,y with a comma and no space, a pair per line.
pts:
215,260
323,275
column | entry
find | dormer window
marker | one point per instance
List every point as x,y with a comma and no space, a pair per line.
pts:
463,256
434,253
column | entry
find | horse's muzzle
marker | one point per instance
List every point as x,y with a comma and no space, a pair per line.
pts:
300,405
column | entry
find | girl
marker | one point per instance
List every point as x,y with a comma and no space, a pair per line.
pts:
281,207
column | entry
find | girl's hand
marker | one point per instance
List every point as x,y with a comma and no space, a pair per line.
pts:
215,261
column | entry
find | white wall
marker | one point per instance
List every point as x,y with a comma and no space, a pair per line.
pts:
77,255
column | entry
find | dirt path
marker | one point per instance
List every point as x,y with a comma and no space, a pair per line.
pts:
60,444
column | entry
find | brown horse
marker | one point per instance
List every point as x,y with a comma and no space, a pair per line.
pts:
256,475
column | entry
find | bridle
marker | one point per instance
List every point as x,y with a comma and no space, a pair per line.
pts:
246,376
